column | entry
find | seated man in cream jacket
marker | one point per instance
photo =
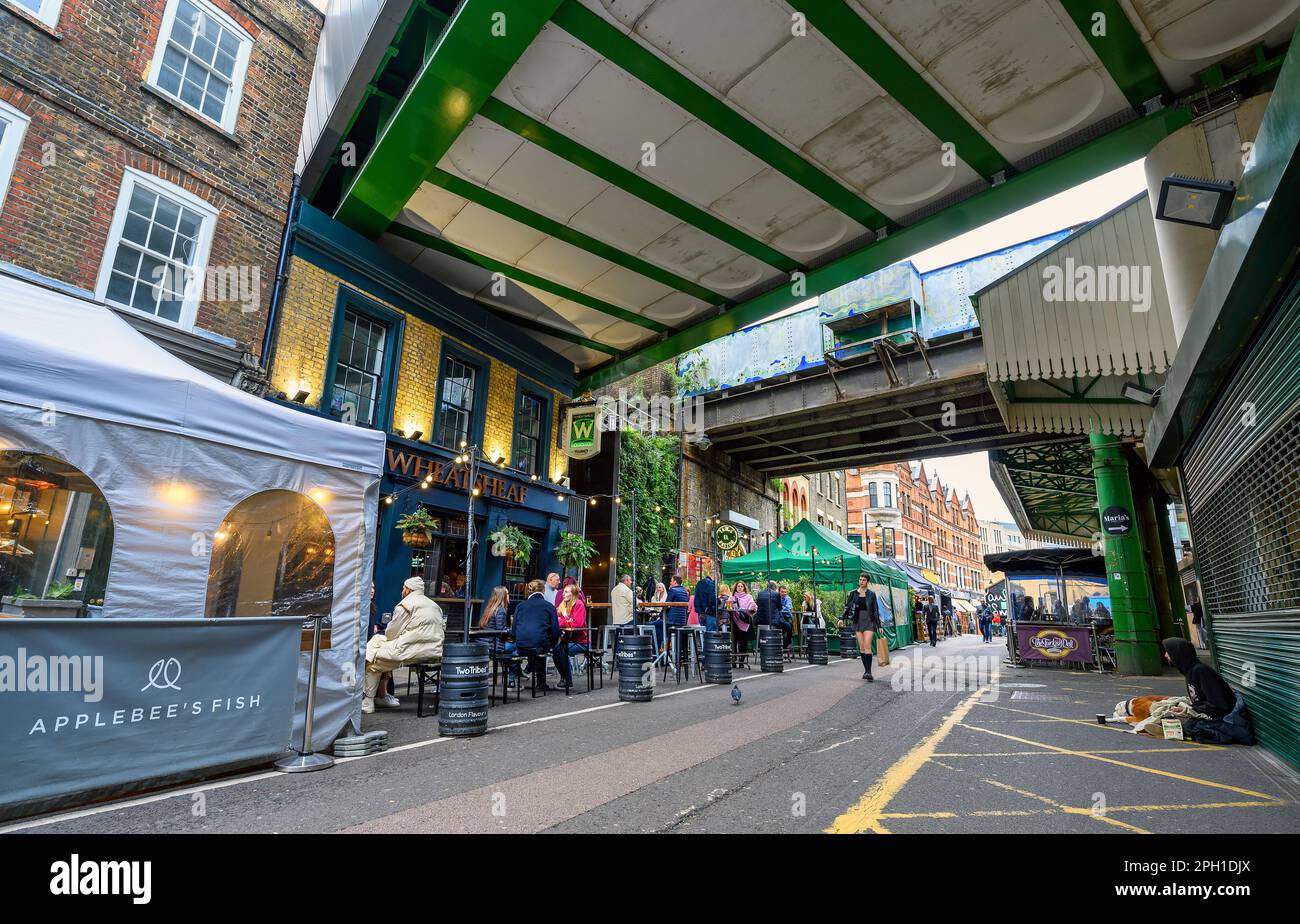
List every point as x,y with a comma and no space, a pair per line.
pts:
622,600
413,636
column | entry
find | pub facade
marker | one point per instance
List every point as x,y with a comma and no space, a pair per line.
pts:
362,337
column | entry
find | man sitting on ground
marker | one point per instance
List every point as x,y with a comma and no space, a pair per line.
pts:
413,636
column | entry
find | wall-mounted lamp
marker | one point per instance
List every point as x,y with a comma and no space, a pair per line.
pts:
1140,393
416,434
1191,201
301,396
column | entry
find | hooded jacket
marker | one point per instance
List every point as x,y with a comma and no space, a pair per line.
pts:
1209,692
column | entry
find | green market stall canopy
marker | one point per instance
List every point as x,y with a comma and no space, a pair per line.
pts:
838,562
629,179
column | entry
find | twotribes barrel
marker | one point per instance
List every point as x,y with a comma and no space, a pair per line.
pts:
770,657
717,657
848,641
636,673
815,639
463,693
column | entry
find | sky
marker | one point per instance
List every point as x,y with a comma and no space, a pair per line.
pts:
970,472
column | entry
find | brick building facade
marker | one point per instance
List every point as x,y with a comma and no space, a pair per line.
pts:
902,512
149,140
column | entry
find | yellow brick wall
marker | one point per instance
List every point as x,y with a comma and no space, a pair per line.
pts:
499,419
302,348
303,340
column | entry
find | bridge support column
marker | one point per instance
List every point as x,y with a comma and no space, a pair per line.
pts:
1148,519
1137,640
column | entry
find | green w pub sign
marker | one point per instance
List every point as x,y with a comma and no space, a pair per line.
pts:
582,431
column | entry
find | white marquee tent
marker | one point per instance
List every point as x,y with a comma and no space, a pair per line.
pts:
173,450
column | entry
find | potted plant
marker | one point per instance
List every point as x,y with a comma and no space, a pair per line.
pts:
509,541
574,551
417,528
58,603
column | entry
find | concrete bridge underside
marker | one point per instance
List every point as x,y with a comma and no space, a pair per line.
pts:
864,412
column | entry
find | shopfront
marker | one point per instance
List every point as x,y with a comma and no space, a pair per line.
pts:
505,497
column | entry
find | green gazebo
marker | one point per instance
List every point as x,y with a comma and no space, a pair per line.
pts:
837,564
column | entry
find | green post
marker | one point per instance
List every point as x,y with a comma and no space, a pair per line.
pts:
1137,643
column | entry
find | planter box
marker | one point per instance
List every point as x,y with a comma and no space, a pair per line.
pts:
50,609
11,606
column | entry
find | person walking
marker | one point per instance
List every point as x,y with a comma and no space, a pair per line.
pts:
931,613
863,608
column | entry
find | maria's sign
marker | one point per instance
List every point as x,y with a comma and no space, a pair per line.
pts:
455,477
1057,643
1116,521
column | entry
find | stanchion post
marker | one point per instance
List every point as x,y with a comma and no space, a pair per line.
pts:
306,760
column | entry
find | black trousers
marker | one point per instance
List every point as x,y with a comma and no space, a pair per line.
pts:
537,657
932,630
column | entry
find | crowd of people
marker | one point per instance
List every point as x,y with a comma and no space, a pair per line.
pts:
552,620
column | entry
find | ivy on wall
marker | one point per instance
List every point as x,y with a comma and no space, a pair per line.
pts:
647,467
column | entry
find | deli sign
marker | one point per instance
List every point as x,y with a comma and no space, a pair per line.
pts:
1063,643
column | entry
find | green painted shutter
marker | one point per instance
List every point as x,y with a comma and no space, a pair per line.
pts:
1242,478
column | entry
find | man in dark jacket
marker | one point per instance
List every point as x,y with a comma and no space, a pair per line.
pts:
931,613
536,631
1229,720
769,606
706,603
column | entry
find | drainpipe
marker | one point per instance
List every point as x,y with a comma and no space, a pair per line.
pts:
1137,642
281,272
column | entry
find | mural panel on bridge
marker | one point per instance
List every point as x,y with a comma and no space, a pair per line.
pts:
801,339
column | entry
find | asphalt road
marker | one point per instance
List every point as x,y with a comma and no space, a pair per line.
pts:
808,750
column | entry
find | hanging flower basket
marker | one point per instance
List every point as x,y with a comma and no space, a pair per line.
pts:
417,528
509,541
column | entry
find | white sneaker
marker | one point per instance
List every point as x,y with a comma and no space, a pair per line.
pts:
388,701
367,705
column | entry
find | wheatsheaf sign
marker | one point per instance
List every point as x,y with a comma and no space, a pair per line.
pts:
455,477
98,704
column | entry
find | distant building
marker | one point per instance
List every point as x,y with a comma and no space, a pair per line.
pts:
820,498
900,511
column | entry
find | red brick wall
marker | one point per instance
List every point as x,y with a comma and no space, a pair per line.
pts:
81,85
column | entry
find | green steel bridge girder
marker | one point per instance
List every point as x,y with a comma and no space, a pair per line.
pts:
472,56
1115,149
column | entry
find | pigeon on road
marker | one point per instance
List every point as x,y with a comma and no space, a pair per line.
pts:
735,695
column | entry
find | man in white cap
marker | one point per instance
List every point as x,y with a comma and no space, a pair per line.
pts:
413,636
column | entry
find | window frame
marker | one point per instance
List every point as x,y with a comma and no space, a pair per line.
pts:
543,460
48,12
230,115
194,293
349,299
11,145
478,413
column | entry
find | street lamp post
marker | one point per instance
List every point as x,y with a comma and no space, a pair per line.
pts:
469,460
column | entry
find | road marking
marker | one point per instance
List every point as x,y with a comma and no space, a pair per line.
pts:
1155,750
271,774
1120,763
838,744
1069,809
1126,730
865,814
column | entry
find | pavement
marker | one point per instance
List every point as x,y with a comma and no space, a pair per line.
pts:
947,739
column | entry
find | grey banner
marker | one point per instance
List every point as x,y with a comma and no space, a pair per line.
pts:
98,704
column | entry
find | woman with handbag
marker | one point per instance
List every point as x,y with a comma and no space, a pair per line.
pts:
863,608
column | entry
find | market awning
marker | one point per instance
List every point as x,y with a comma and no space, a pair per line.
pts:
1076,561
790,557
652,174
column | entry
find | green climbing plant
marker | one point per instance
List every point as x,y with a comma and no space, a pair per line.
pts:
647,467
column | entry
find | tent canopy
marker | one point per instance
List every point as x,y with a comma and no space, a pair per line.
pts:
791,559
80,358
174,452
1079,561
